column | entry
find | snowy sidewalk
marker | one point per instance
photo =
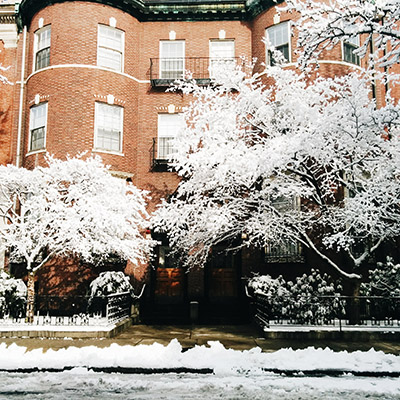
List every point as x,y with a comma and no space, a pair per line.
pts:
238,337
210,358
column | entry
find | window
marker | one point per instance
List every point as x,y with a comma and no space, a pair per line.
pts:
108,131
42,47
286,250
222,55
110,48
172,59
349,45
168,126
37,128
277,38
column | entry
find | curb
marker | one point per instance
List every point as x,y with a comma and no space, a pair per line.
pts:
315,373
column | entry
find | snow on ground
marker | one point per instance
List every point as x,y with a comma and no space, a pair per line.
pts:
237,374
214,356
83,384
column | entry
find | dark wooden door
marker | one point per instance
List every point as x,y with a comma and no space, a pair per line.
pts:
223,275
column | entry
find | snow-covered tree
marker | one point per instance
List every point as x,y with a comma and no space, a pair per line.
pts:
306,162
323,24
70,208
3,78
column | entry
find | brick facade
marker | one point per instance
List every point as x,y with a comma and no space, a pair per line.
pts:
73,83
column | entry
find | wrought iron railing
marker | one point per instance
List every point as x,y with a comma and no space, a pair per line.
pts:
73,310
164,71
160,153
118,307
288,251
326,310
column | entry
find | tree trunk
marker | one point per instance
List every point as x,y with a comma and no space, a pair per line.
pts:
30,306
354,306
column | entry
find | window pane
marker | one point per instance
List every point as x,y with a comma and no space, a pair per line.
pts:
172,63
168,126
43,38
109,59
38,115
110,37
109,127
38,127
277,36
349,56
37,139
110,48
172,49
43,58
42,49
222,49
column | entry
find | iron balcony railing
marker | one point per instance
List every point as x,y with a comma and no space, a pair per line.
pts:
164,71
284,252
161,152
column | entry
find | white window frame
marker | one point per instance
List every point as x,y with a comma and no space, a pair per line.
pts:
110,49
166,137
353,42
34,125
228,62
37,49
268,45
97,126
162,72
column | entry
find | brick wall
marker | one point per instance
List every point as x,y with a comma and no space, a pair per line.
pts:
7,60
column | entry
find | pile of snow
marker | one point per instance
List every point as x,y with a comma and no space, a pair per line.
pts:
214,356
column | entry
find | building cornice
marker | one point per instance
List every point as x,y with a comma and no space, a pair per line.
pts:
7,14
169,10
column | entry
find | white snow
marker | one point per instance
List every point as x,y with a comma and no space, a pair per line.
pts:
213,356
237,374
83,384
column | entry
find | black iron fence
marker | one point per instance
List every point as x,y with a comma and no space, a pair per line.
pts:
73,310
326,310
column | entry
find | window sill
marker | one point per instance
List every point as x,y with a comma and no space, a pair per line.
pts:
115,153
33,152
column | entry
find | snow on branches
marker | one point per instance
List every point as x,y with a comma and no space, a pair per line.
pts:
314,163
73,207
323,24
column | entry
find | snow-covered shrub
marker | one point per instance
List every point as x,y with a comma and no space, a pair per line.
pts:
12,296
313,298
383,281
107,283
384,287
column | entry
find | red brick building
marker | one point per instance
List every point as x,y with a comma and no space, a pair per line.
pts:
91,76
